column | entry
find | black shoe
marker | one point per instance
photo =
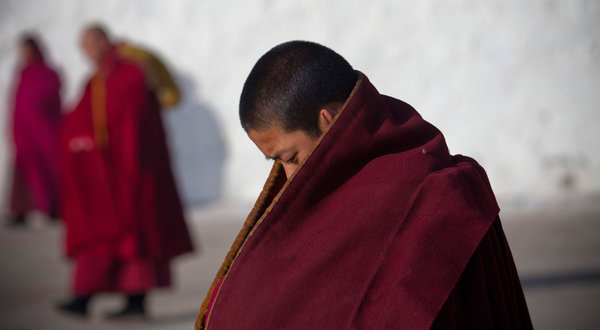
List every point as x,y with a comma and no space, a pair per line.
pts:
135,309
16,221
127,313
76,306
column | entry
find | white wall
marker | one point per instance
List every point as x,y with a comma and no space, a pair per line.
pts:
516,84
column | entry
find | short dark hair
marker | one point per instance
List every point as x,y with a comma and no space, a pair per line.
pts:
98,29
290,84
30,40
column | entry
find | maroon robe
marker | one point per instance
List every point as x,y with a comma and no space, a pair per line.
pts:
380,228
123,216
36,120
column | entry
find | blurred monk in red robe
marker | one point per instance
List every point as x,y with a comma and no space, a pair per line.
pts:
366,221
35,125
123,216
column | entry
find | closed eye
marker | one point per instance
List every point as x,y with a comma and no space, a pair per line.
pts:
292,160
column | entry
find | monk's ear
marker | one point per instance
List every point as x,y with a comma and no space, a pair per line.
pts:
325,119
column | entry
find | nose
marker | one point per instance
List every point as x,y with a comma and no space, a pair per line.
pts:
289,169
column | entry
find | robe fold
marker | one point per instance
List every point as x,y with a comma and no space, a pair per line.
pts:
35,126
121,207
380,228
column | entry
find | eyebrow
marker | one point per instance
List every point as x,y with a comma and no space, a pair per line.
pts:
274,157
277,155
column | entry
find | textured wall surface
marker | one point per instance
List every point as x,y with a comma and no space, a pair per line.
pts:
515,84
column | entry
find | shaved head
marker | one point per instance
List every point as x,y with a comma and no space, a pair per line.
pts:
95,42
290,85
30,48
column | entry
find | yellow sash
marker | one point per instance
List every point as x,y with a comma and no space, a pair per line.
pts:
98,93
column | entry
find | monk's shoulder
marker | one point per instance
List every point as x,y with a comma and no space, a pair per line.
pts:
463,185
130,71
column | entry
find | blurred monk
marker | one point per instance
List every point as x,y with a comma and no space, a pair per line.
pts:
123,216
35,124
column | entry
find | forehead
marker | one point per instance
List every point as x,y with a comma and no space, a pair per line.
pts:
274,141
91,37
86,38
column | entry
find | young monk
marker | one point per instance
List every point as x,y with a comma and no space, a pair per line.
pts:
366,220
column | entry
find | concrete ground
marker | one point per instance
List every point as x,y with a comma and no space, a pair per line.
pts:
556,251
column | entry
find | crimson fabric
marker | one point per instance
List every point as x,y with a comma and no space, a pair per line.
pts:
122,195
487,295
213,295
99,271
375,231
36,120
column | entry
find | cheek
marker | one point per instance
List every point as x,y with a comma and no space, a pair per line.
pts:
90,51
306,150
303,155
